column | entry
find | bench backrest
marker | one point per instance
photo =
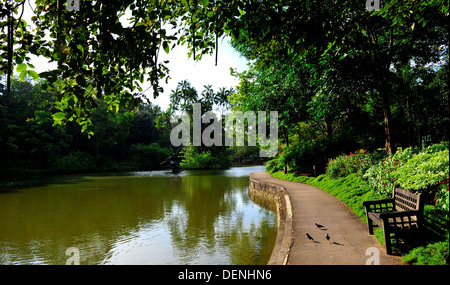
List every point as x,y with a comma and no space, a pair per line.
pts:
405,200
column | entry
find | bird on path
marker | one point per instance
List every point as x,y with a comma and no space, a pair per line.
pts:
319,226
309,237
328,238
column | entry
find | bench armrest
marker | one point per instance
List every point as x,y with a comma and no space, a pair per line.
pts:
367,204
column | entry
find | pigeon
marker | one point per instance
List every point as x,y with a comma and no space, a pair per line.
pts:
319,226
328,238
309,237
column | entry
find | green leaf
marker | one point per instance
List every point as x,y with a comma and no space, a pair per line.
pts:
80,47
33,74
22,75
21,67
89,88
58,117
166,47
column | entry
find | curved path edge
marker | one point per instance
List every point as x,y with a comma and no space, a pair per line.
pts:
279,195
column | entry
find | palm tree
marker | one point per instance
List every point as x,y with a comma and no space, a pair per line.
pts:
183,96
208,98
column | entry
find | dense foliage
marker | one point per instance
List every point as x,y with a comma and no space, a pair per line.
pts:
212,158
127,140
424,170
376,77
357,162
31,143
421,171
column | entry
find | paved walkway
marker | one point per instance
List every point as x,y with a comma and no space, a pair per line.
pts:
349,237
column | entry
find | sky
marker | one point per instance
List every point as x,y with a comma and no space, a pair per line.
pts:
199,73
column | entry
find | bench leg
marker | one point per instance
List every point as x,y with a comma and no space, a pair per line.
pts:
387,239
369,224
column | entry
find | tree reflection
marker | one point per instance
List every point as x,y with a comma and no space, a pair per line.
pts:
204,218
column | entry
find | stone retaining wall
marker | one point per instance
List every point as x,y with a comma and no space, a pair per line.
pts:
279,195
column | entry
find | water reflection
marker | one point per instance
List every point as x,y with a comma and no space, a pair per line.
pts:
194,217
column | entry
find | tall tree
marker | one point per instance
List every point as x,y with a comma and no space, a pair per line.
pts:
342,40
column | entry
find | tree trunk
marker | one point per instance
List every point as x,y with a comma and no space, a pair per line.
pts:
10,50
286,136
328,127
408,118
390,149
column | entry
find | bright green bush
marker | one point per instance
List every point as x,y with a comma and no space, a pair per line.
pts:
423,171
411,169
442,197
432,254
282,160
209,159
273,166
380,176
357,162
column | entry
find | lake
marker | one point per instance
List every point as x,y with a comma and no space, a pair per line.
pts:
148,218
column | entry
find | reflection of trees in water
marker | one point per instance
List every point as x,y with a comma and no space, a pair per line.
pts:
203,215
203,228
42,222
263,202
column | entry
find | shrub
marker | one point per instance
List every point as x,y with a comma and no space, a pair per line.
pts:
305,157
437,147
380,176
423,171
74,162
420,171
147,157
209,159
273,166
357,162
442,197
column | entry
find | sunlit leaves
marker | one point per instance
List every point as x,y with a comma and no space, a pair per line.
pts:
21,67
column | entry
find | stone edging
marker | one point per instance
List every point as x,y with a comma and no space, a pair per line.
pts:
279,195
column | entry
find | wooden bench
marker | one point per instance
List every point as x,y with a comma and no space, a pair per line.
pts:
404,211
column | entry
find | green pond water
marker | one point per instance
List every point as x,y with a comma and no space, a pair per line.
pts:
194,217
